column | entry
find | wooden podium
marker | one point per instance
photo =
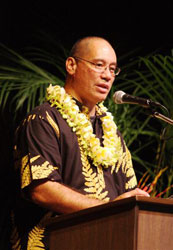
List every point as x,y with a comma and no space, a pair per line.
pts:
135,223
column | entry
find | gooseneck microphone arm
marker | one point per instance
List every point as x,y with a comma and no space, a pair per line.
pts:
162,117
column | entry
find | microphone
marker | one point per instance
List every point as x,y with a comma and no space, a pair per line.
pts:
121,97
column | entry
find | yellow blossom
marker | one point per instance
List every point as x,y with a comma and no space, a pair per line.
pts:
106,155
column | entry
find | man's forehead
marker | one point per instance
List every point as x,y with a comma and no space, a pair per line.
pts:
97,47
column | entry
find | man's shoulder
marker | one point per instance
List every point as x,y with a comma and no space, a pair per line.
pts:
43,109
41,112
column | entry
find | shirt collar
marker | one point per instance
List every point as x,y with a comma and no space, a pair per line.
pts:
80,105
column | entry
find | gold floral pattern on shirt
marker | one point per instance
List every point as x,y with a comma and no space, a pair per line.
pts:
53,124
36,235
25,172
31,117
42,171
31,172
94,181
127,168
34,158
131,183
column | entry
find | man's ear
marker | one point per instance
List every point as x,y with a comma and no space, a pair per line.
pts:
71,65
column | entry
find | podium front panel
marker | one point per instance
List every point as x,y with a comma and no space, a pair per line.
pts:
135,223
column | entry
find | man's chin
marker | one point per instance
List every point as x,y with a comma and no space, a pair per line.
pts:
102,98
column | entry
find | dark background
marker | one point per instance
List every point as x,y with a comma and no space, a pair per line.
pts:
126,24
129,23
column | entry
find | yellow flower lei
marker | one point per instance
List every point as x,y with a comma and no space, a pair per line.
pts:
106,155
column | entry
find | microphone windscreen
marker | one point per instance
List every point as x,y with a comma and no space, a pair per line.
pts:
117,96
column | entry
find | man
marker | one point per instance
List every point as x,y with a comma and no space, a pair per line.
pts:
69,153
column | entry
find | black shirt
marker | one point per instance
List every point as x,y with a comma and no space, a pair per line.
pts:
47,148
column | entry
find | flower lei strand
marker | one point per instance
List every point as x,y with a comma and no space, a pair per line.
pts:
106,155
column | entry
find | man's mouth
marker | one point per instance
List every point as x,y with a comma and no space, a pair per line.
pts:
103,88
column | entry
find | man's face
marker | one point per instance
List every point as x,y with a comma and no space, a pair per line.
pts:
92,85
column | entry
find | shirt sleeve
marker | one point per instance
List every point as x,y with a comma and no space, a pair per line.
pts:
37,149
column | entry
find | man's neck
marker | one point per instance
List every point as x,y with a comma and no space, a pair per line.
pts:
92,112
91,107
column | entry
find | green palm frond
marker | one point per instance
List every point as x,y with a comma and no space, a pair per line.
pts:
22,81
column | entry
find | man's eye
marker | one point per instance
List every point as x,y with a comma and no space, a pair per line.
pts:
99,65
112,69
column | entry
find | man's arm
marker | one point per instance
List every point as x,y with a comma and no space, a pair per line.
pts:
62,199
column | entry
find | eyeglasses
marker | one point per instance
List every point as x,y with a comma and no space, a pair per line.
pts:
100,66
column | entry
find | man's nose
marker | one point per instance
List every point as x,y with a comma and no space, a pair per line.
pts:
106,73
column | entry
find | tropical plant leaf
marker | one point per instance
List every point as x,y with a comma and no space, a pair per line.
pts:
22,81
